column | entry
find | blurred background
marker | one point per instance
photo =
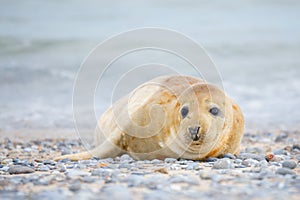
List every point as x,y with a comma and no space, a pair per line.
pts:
255,45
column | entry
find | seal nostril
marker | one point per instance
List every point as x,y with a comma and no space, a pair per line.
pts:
198,128
194,132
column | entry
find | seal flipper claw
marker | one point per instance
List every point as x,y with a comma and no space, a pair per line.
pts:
75,157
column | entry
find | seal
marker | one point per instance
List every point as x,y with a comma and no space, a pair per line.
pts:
169,116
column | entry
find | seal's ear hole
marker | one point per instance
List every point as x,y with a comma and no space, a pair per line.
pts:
184,111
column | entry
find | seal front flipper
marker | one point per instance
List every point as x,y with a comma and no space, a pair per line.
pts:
104,150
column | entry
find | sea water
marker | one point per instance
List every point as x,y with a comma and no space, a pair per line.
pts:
254,44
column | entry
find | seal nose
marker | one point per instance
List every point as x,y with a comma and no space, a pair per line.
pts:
194,131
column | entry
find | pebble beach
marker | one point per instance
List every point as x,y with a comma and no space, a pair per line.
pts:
254,44
267,168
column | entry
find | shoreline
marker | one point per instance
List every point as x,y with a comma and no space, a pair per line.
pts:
27,134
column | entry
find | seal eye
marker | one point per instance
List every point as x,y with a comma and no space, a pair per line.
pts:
184,111
214,111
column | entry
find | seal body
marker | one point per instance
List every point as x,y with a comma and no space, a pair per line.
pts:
169,116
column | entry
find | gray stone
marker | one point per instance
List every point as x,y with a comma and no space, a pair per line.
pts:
184,179
43,169
102,172
75,173
229,155
162,195
206,175
125,165
156,161
264,163
134,180
255,150
22,162
125,158
281,137
170,160
285,171
65,151
156,181
19,169
251,163
224,163
43,181
280,152
5,168
75,187
192,166
49,162
7,195
87,179
27,149
289,164
244,156
116,192
60,167
296,147
52,194
210,159
238,161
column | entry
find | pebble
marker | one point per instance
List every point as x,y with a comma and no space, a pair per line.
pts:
134,180
22,162
58,193
5,168
43,169
156,161
61,167
263,163
255,150
19,169
289,164
170,160
280,152
116,192
251,163
75,173
102,172
184,179
210,159
87,179
49,162
75,187
192,166
296,147
66,151
206,175
224,163
125,158
285,171
229,155
244,156
281,137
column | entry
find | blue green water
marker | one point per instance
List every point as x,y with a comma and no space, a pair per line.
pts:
255,44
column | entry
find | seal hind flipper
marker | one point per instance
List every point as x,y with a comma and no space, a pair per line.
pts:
105,150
